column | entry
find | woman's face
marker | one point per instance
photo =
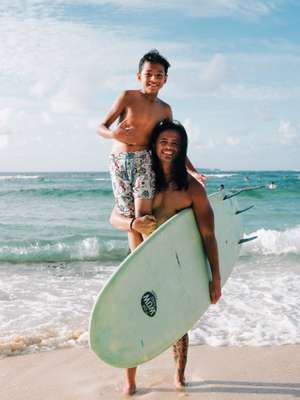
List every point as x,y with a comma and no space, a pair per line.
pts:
167,145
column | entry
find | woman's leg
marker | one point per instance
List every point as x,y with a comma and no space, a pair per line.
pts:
180,350
130,387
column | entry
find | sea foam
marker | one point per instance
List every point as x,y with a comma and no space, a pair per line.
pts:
259,307
274,242
18,177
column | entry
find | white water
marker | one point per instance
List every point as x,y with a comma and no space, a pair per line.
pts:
260,306
48,307
274,242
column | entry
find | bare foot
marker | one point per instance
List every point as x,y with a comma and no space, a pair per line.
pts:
179,382
129,390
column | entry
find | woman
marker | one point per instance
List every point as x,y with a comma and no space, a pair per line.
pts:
175,190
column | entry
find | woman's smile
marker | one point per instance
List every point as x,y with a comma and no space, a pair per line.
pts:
167,145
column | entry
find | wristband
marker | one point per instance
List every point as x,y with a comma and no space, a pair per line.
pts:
131,223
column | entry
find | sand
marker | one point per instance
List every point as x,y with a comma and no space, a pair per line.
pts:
213,373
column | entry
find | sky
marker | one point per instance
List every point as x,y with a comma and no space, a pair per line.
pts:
234,80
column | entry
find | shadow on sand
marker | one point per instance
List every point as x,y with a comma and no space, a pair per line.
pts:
236,387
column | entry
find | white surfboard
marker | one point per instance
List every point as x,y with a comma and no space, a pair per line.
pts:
162,288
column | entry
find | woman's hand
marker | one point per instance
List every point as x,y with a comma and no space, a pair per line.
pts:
215,290
145,225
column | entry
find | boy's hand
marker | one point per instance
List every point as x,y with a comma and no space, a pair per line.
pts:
145,225
215,290
199,177
124,133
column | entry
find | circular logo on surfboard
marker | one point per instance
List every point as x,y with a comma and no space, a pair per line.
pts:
149,303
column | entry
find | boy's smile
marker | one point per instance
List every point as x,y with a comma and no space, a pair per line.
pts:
152,77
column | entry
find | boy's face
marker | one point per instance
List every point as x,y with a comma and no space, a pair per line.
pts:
152,77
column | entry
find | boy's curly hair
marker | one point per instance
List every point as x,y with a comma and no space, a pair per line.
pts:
153,56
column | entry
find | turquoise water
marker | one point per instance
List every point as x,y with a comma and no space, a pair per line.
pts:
57,249
64,217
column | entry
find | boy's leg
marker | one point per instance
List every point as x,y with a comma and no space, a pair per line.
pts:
180,350
144,185
141,207
122,189
134,240
123,192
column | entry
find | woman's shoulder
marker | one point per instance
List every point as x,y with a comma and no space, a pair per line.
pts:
195,187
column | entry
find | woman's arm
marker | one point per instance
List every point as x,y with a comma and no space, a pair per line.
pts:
205,220
144,225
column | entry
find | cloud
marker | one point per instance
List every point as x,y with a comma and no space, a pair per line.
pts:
5,130
68,65
3,141
232,140
263,92
264,113
214,73
5,117
62,66
198,78
47,118
197,139
192,131
200,8
227,8
192,8
289,133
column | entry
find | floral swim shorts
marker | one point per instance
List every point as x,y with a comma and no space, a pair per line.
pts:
132,177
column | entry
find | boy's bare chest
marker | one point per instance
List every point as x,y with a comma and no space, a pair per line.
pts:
142,112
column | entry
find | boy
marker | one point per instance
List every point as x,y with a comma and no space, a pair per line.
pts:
138,112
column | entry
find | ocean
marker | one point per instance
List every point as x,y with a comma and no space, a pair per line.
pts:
57,249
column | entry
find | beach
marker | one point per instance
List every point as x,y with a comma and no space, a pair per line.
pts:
57,250
242,373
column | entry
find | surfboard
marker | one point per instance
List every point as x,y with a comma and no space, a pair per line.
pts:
162,288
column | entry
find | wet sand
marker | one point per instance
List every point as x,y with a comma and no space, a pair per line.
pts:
212,373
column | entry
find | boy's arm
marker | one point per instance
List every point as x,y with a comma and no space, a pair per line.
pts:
122,132
144,225
205,220
194,173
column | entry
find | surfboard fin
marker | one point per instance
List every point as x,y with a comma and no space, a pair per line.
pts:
241,241
229,196
245,189
244,210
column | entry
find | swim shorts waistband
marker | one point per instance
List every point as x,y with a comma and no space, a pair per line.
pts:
129,154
